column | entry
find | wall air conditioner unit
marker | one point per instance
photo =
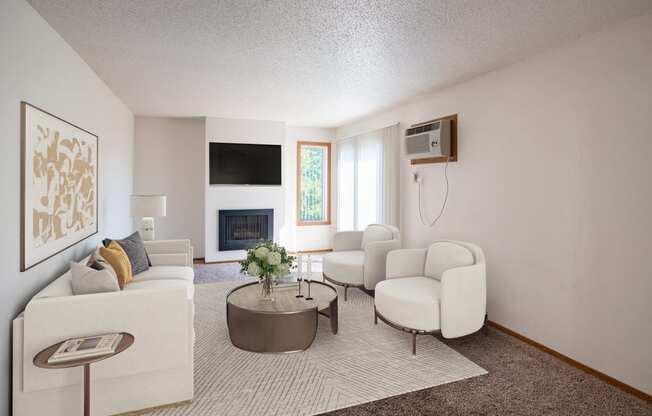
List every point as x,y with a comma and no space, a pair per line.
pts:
428,140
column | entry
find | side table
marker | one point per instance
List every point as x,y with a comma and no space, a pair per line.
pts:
41,361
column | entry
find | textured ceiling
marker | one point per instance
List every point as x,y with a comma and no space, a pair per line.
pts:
316,62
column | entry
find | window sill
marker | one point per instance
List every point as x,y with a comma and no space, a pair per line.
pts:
308,223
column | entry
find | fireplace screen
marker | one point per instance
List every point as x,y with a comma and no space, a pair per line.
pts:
242,228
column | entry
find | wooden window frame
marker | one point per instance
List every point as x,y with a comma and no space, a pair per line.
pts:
329,192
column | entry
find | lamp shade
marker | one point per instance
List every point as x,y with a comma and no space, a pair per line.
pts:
148,205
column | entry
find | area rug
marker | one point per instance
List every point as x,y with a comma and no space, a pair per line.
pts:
362,363
218,272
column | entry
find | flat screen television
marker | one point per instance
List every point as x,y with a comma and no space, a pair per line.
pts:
245,164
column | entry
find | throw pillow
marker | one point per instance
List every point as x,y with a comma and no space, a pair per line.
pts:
85,280
135,249
106,242
119,260
97,262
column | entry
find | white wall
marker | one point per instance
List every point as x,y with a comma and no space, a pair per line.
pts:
243,197
554,183
305,237
39,67
170,161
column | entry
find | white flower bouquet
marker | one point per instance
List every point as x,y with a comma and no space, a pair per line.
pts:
268,262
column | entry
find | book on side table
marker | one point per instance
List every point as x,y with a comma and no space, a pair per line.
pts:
86,347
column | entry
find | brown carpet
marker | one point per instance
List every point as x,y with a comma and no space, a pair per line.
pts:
521,381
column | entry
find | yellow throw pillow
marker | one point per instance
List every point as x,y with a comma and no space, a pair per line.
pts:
119,260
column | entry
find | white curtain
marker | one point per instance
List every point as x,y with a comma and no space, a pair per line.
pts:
391,175
346,184
367,179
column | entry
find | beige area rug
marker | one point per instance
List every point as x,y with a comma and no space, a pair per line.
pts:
362,363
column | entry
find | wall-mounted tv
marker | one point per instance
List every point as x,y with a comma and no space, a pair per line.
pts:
245,164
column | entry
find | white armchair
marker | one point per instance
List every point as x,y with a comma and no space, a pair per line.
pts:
358,259
439,289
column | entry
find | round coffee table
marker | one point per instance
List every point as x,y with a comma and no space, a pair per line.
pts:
41,360
286,324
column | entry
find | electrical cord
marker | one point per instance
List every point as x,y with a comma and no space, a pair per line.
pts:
443,205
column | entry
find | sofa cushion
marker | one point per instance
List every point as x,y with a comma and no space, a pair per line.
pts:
412,302
345,266
376,232
444,255
163,284
166,273
57,288
86,280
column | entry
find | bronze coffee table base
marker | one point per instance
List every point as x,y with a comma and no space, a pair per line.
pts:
287,324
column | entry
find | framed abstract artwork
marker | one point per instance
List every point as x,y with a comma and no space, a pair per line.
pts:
59,185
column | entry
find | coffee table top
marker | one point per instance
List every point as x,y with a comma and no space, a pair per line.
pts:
248,297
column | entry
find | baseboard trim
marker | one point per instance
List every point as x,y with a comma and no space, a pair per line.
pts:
221,261
202,260
323,250
152,409
602,376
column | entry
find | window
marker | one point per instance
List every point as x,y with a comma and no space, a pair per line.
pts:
313,183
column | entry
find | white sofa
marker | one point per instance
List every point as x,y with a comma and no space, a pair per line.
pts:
358,257
157,308
442,288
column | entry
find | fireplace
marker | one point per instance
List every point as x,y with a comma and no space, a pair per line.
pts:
240,229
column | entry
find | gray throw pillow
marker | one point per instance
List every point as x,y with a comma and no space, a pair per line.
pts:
135,249
86,280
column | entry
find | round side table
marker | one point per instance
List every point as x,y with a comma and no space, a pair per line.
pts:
41,361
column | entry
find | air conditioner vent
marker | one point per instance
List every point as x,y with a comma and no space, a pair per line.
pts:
423,129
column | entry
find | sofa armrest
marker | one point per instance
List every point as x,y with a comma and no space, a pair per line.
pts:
347,240
170,252
406,262
463,300
156,347
375,259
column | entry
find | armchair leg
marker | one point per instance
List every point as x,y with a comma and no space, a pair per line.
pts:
485,327
414,342
345,289
375,317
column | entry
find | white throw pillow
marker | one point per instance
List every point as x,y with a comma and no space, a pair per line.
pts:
97,262
85,280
